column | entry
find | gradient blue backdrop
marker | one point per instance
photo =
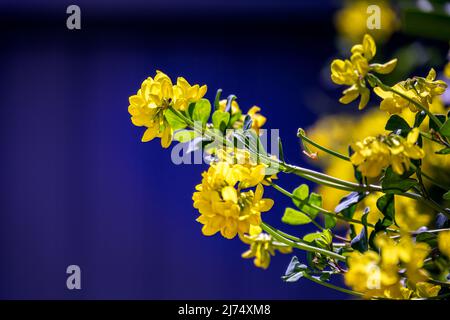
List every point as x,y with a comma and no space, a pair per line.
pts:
78,186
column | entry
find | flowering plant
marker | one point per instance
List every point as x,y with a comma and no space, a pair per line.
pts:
397,237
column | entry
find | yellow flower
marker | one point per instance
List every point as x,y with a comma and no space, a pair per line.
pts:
184,94
447,70
421,90
234,106
258,120
156,95
444,242
351,20
353,72
411,214
380,275
262,247
374,154
222,203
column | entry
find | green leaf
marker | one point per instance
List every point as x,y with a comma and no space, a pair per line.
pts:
396,122
294,271
393,183
310,237
202,111
184,136
303,199
330,221
217,99
235,117
420,116
427,237
433,125
445,129
295,217
361,241
443,151
174,121
220,120
446,195
280,149
301,193
386,205
314,199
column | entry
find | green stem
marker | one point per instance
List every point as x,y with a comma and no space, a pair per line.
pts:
332,286
301,134
322,210
300,245
312,175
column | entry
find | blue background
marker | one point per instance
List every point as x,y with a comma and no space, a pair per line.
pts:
78,186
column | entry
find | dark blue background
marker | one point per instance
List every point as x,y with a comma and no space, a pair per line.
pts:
78,186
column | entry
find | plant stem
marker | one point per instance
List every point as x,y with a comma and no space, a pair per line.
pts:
322,210
312,175
303,136
300,245
331,286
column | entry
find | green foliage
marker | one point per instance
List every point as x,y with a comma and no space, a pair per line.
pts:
445,129
202,111
386,205
295,217
396,122
184,136
361,241
174,121
393,183
220,120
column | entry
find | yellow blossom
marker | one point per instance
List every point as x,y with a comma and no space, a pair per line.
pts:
234,106
150,104
420,90
353,72
262,247
374,154
258,120
184,94
380,275
222,203
444,242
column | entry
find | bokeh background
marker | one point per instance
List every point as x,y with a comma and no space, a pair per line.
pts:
77,185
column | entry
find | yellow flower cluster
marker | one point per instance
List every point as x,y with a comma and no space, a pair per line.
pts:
381,275
262,247
374,154
421,90
223,204
156,95
353,72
